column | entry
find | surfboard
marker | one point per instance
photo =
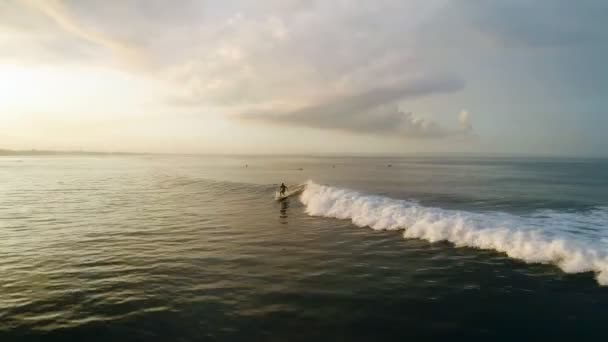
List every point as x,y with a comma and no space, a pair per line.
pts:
296,191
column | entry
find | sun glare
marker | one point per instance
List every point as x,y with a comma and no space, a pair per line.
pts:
25,89
69,92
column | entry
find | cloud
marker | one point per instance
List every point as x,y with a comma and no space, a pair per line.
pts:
61,14
332,65
372,112
328,65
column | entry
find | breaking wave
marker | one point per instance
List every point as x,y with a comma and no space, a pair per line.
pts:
573,241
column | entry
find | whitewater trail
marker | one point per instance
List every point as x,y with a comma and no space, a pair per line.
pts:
544,237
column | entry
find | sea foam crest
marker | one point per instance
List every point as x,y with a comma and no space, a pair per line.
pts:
542,237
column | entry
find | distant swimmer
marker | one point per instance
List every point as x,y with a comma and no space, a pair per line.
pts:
283,188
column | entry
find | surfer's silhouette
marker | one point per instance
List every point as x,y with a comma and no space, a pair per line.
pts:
283,188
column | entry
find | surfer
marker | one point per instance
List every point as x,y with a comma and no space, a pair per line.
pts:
283,188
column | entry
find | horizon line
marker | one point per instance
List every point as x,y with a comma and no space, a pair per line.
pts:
42,152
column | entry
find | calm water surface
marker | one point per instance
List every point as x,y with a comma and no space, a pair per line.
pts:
160,248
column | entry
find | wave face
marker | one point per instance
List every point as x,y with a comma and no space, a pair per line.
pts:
575,242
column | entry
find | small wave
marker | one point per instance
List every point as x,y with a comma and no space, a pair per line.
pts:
543,237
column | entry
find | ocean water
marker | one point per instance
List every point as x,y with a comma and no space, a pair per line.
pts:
195,248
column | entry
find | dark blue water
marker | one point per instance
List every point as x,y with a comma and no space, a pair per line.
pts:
158,248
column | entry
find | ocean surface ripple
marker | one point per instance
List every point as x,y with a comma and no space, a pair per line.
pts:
162,248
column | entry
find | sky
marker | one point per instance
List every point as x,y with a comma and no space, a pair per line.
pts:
305,76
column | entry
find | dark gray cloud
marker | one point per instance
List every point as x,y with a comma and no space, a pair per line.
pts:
372,112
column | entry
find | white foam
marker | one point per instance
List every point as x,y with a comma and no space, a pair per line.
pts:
575,242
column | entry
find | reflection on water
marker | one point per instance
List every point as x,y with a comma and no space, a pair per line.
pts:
283,211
